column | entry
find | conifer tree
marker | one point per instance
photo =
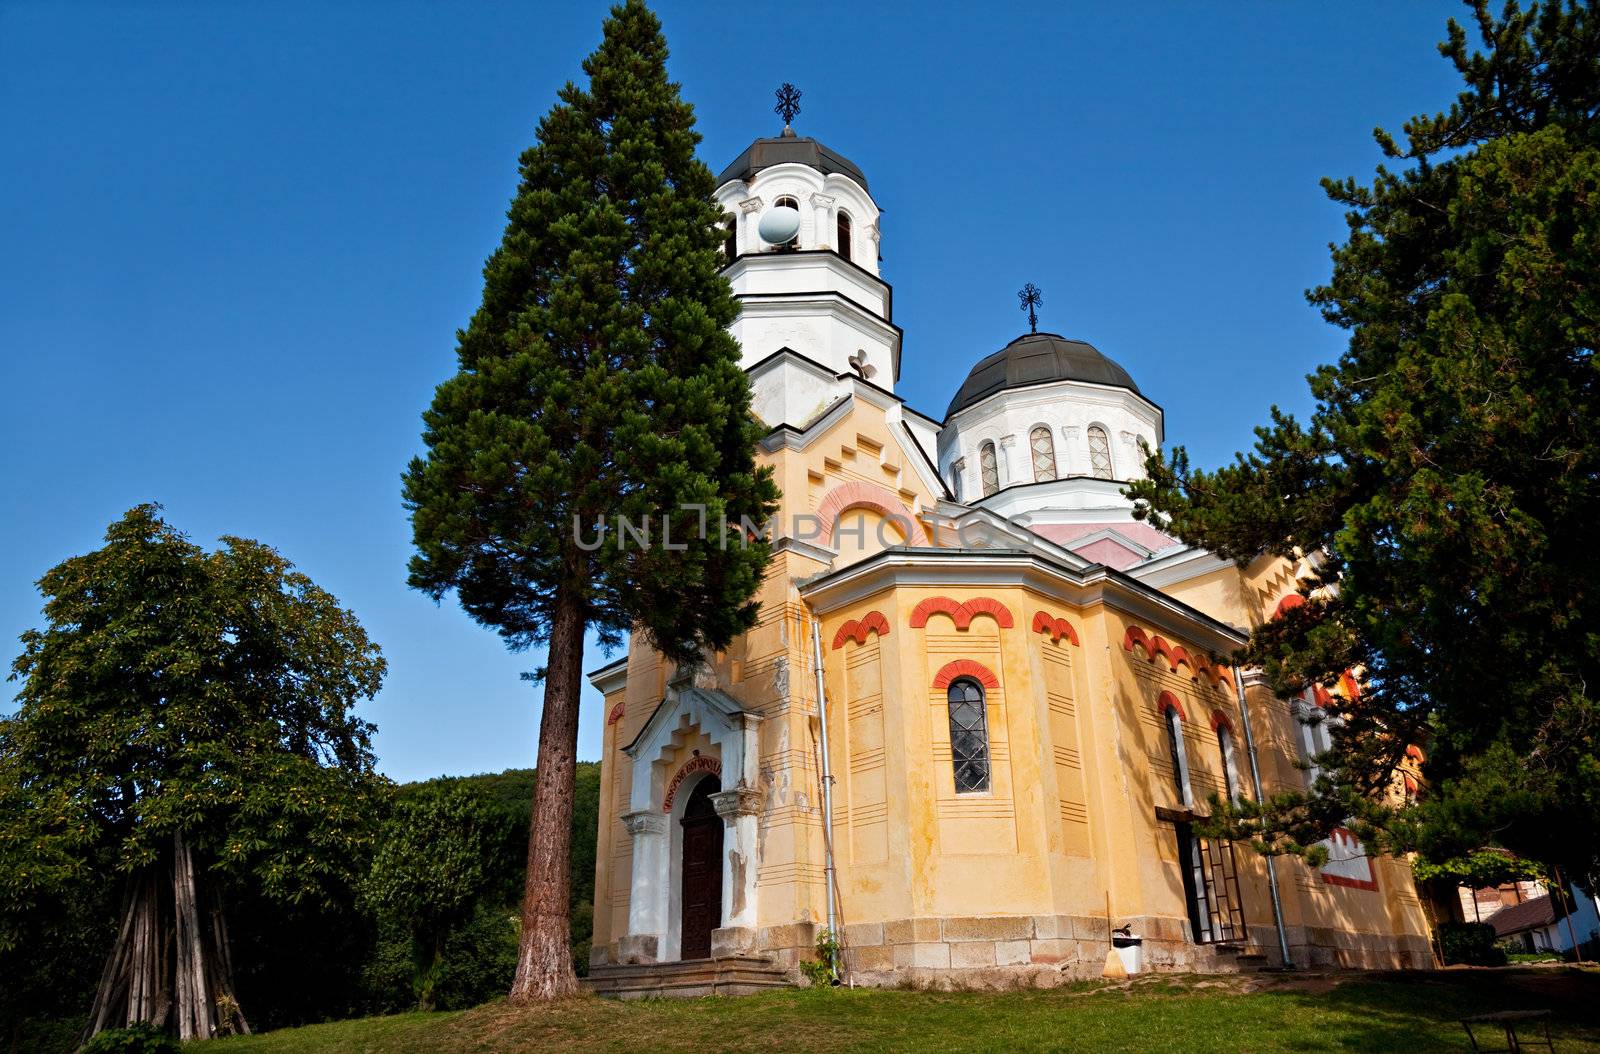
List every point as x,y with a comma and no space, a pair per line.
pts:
597,384
1447,484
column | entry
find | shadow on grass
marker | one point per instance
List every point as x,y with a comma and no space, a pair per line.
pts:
1418,1012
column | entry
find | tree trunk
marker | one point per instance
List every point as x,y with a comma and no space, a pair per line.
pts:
544,960
169,957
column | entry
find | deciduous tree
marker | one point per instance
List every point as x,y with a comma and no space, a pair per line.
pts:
186,722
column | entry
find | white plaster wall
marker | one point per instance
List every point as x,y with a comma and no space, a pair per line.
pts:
775,272
819,328
792,393
1067,408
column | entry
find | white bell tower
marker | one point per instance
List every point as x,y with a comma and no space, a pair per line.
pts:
803,247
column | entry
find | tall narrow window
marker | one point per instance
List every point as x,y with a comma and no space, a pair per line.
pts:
1180,763
1044,454
1099,453
1230,774
844,234
989,469
1315,737
730,238
969,736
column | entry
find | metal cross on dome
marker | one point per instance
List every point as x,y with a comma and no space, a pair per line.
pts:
1031,299
788,103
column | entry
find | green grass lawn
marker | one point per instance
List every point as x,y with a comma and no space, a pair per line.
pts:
1414,1013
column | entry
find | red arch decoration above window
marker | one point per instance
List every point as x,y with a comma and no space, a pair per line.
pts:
1154,644
857,629
1289,603
1415,753
1057,627
1167,701
961,613
1321,696
699,763
616,713
859,495
1220,720
965,668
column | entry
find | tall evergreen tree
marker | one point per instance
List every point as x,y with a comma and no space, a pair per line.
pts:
597,380
1448,482
186,725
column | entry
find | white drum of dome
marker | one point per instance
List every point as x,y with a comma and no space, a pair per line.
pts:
779,225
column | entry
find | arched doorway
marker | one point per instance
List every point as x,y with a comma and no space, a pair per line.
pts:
700,906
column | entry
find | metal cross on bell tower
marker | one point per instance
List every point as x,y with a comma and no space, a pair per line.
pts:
788,105
1031,299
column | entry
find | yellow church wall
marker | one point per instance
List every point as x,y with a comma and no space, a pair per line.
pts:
1018,876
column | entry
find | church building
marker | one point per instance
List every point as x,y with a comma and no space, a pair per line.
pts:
982,708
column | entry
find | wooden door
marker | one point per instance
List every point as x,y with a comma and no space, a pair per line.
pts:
701,904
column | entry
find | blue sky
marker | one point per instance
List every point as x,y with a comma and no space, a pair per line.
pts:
236,241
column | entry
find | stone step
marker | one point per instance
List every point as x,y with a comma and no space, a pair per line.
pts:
731,975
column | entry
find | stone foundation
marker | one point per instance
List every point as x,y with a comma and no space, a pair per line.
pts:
1042,951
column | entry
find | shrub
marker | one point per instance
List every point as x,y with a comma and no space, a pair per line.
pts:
140,1039
1471,943
819,971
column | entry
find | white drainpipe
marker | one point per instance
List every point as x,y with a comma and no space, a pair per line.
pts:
827,789
1255,778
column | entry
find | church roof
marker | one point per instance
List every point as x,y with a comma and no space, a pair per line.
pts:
1038,358
790,149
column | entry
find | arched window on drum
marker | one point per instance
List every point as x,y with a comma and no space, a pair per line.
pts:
969,736
989,469
1100,453
1044,454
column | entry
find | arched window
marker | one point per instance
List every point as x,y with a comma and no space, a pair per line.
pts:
1230,772
844,234
989,469
730,238
786,200
969,736
1180,761
1099,453
1044,454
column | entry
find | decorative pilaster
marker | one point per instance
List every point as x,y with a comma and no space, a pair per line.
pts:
647,900
1071,458
823,217
749,239
739,808
1004,458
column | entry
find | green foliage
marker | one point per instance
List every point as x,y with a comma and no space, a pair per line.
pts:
597,380
1449,478
140,1039
476,963
436,862
1472,943
170,690
1480,869
819,971
481,824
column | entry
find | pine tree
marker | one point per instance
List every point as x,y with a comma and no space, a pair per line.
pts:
597,381
1448,481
